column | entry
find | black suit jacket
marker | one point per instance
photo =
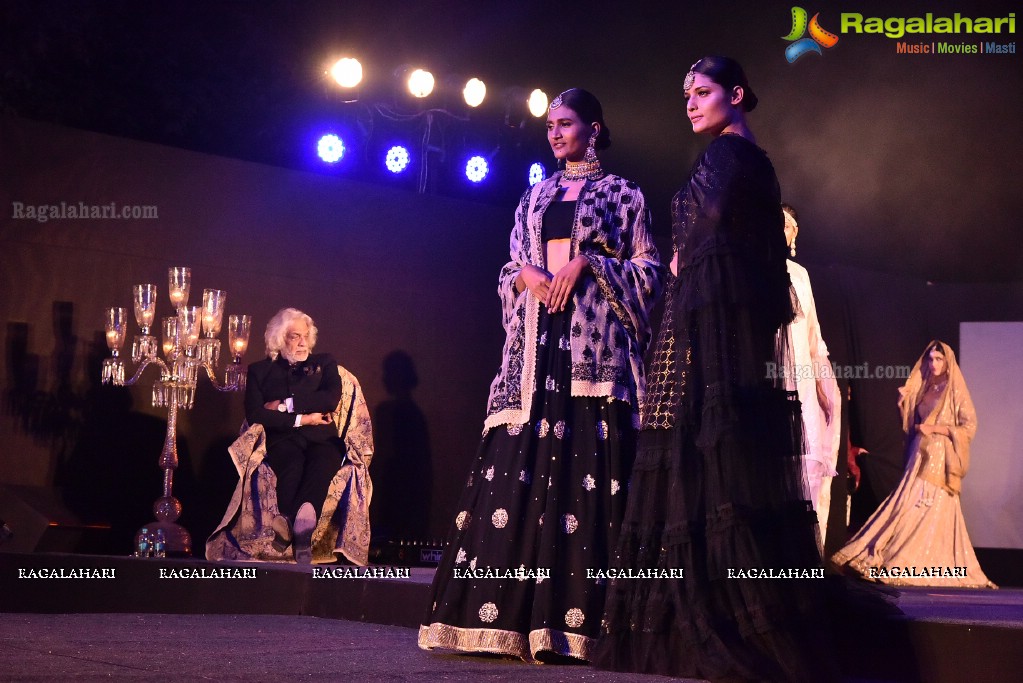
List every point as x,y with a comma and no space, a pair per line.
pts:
314,386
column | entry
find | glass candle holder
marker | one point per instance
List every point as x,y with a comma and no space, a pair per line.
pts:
116,325
189,318
179,280
144,297
213,303
238,329
170,337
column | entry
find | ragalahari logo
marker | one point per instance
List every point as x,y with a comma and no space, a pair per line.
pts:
818,36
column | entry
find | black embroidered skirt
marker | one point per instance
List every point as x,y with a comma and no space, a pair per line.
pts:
545,498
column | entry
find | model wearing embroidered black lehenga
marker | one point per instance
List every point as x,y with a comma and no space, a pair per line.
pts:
547,488
716,485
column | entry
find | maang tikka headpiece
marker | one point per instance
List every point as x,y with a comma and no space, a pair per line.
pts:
556,102
690,77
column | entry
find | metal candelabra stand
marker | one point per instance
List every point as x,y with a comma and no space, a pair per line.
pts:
190,345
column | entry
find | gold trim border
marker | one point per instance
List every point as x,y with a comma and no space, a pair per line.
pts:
496,641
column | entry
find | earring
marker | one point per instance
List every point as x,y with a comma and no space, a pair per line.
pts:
792,248
591,150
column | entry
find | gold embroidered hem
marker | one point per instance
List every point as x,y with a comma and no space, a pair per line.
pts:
496,641
490,640
561,643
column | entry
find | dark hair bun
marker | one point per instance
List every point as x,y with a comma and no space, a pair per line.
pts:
728,73
749,99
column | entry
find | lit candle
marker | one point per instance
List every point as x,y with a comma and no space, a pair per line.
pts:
239,346
168,346
176,296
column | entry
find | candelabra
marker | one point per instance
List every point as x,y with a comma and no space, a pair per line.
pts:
186,353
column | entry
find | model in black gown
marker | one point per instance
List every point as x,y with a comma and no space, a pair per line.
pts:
716,486
546,494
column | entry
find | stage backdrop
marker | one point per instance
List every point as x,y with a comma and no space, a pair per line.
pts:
382,272
991,357
402,287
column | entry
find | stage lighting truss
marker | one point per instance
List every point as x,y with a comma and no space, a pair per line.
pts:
413,129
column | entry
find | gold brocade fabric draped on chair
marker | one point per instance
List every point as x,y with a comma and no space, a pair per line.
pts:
343,527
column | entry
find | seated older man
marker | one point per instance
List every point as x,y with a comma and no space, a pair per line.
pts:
292,394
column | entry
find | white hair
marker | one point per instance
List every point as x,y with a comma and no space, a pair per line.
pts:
278,326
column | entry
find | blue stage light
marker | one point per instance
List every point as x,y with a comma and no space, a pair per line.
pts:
476,169
397,159
330,148
536,173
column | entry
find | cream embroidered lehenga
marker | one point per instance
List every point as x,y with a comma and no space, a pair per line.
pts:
918,537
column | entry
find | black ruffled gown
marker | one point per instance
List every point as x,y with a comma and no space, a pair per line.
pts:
716,486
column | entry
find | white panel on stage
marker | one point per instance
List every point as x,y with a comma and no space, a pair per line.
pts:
991,357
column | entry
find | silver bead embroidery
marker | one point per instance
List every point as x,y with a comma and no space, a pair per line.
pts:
574,617
488,612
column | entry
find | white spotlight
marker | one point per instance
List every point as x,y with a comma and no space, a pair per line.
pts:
536,173
397,159
347,72
474,92
476,169
537,103
420,83
330,148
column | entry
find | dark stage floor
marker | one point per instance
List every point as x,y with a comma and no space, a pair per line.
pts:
287,623
177,647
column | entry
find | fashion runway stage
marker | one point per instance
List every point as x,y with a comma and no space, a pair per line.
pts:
86,617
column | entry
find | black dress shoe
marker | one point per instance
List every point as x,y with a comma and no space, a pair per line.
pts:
305,522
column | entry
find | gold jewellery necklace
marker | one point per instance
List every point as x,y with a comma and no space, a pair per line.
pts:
583,170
